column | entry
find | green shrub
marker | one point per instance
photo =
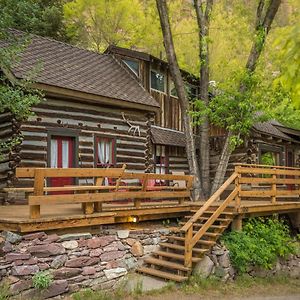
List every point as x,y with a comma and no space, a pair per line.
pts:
260,243
42,280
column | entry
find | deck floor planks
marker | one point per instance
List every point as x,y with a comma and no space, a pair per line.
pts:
16,217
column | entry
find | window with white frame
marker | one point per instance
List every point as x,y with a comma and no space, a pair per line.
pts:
158,81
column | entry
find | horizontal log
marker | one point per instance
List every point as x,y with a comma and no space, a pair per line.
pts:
91,109
97,118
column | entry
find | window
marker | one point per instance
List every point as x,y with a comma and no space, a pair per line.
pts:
105,152
161,161
173,91
133,65
158,81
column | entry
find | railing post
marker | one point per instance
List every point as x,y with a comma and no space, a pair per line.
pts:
274,188
238,188
188,248
35,210
137,202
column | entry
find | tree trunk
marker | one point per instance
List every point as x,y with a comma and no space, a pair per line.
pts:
183,99
203,18
262,25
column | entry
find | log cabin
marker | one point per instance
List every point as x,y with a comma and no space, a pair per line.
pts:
119,107
94,114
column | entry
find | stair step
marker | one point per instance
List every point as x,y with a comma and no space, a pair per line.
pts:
165,263
179,238
229,213
179,247
174,255
206,218
211,226
210,234
162,274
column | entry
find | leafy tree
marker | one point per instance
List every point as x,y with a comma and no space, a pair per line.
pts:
290,71
34,16
16,96
97,24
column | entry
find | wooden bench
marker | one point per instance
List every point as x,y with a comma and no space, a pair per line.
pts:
40,174
93,196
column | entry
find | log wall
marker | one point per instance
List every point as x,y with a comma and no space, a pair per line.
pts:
5,134
86,121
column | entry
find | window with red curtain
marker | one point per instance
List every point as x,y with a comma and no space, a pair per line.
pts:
105,152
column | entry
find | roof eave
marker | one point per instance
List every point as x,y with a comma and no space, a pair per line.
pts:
51,90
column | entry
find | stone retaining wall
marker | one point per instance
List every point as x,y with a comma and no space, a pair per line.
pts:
76,261
217,263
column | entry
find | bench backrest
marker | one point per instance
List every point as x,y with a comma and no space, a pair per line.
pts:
70,172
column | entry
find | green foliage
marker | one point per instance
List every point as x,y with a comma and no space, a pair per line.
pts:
260,243
232,107
290,70
91,295
268,159
41,17
196,283
42,280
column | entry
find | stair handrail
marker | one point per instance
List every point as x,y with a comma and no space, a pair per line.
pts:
209,202
190,239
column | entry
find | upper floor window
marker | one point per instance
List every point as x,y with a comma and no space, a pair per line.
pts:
173,91
133,66
158,81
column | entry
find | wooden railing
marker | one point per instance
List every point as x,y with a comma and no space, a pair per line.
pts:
92,196
247,182
192,238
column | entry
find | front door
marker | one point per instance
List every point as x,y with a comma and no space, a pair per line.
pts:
62,151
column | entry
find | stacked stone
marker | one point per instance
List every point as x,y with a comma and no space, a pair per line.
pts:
75,261
217,263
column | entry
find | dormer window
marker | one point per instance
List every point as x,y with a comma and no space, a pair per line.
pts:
133,65
158,81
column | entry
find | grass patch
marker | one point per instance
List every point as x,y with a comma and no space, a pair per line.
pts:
209,288
4,292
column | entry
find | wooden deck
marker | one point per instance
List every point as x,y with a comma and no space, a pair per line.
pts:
16,217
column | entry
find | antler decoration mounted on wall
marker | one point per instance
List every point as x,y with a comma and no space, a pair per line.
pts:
132,128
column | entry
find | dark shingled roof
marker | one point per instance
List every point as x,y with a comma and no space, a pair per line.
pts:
63,65
269,127
170,137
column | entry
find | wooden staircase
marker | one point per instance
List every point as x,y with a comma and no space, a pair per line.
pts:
187,245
